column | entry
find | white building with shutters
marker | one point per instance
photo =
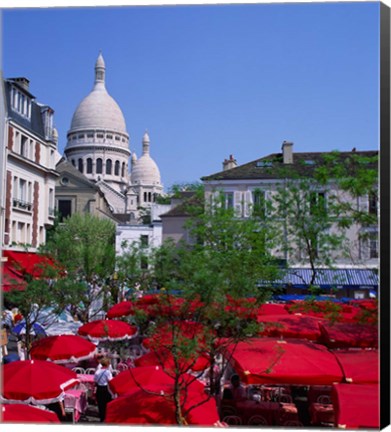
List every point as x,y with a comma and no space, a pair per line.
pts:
30,143
247,188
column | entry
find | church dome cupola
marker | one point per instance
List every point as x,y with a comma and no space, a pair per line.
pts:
144,170
97,141
100,70
98,110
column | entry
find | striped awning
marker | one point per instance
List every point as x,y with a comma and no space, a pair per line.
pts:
329,278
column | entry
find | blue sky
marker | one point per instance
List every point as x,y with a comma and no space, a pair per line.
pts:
209,81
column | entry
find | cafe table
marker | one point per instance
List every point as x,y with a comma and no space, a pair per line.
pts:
75,402
88,381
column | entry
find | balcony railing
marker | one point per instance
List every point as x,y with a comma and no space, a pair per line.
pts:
23,205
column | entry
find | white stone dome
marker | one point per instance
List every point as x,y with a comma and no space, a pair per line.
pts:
144,170
98,110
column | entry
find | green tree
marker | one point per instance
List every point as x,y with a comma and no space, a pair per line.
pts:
84,245
314,207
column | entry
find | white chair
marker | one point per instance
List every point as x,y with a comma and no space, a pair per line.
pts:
90,371
324,399
257,420
122,366
284,398
79,370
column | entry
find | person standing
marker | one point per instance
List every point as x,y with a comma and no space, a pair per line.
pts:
102,377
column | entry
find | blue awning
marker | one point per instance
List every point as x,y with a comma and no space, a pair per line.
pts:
329,278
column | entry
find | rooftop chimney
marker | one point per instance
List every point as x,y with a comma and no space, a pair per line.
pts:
229,163
287,152
23,82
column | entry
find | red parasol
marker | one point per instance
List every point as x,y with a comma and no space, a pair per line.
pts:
164,358
63,349
123,308
359,366
349,335
273,309
290,326
356,406
146,376
36,381
157,408
20,413
107,330
274,361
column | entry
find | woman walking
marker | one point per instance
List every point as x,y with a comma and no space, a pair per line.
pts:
102,377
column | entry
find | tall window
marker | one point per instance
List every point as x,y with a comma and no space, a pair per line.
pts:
259,203
372,203
228,200
116,169
109,166
144,240
317,203
80,165
99,166
89,166
23,146
123,169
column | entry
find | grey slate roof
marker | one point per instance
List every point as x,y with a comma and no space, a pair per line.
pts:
271,166
35,124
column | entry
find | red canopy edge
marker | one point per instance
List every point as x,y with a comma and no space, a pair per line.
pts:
292,361
359,366
356,405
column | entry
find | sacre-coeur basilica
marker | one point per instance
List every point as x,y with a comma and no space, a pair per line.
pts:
99,173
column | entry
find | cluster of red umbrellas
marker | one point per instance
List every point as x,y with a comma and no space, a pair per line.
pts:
146,396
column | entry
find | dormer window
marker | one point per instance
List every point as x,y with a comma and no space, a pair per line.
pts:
20,103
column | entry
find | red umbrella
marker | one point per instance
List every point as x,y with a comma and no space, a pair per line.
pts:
123,308
157,408
290,326
36,381
145,377
291,361
356,406
107,330
359,366
20,413
349,335
273,309
163,357
63,349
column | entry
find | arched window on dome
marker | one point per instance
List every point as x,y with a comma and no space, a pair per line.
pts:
109,166
73,162
80,165
149,197
99,166
89,166
123,170
145,197
116,169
